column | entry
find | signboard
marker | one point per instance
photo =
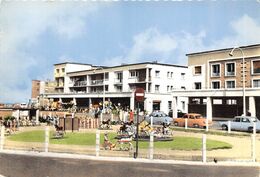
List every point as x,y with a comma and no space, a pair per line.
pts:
139,94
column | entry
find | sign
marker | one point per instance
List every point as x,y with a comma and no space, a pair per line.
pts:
139,94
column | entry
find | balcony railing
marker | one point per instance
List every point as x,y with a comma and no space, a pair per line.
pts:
60,85
118,81
97,82
136,79
59,74
79,84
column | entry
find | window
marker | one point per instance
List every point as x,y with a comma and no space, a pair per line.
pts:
236,119
215,70
119,77
106,88
168,74
195,101
119,88
106,76
171,74
183,105
230,69
197,85
133,73
197,70
245,120
217,101
182,76
230,84
169,105
157,73
168,88
231,101
215,84
256,83
171,88
57,70
157,88
63,70
256,67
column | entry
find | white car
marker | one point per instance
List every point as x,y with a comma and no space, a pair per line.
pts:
242,123
159,118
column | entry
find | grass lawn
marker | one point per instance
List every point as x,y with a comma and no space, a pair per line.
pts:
179,143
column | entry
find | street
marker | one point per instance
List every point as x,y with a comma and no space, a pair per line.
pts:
33,166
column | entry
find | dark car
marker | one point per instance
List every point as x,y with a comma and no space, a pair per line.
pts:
179,113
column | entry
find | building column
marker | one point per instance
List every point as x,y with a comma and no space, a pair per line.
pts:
147,79
147,75
174,107
18,118
90,102
74,101
132,101
252,109
209,108
37,116
148,105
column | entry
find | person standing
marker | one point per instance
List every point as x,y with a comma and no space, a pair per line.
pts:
131,116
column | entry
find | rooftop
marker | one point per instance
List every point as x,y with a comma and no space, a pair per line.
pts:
221,50
133,64
71,63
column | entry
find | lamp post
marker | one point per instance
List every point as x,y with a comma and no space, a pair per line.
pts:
104,87
243,73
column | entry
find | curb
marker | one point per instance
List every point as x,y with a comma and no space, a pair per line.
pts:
123,159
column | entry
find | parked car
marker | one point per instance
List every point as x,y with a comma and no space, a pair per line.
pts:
241,123
159,118
193,120
179,113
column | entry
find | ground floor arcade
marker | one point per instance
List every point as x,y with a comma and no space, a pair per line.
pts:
221,103
152,101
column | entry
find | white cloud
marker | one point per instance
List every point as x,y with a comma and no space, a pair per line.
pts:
21,26
246,31
152,44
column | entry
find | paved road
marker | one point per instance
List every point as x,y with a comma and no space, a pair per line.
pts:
33,166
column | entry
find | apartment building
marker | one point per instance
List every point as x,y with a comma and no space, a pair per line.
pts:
42,87
85,84
216,84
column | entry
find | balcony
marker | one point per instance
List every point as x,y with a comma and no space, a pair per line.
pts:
60,85
118,81
59,74
97,82
78,84
136,79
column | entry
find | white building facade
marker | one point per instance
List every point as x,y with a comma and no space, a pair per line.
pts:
86,84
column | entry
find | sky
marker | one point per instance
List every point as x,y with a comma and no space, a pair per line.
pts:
34,35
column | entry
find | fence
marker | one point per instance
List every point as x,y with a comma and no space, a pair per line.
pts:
244,147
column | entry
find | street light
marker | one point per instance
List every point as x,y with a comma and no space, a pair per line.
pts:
243,61
104,89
